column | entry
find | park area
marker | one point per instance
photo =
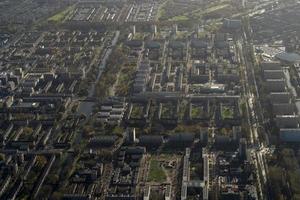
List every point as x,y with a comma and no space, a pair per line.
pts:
156,172
162,168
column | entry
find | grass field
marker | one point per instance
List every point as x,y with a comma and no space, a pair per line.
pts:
60,17
179,18
198,13
227,112
156,173
197,111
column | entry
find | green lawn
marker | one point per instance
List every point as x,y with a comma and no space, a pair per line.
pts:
196,112
137,111
227,112
198,13
210,9
59,17
156,173
179,18
167,111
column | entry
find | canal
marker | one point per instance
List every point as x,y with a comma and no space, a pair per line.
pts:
86,107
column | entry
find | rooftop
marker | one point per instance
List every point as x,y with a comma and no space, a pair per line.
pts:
288,57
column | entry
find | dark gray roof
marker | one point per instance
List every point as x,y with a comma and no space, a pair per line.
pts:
220,139
196,43
152,45
182,137
232,23
176,45
221,44
284,109
103,140
135,150
134,43
150,139
290,135
288,57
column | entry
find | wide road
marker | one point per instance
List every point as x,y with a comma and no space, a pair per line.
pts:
258,137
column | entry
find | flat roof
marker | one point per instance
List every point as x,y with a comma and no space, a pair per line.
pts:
288,57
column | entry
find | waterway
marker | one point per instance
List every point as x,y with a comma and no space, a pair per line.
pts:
86,107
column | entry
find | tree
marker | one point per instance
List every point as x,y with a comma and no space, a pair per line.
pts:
105,155
118,131
27,130
40,161
52,178
88,131
276,179
74,108
154,195
56,196
2,157
83,92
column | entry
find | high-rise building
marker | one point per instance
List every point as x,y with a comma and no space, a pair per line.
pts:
243,148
